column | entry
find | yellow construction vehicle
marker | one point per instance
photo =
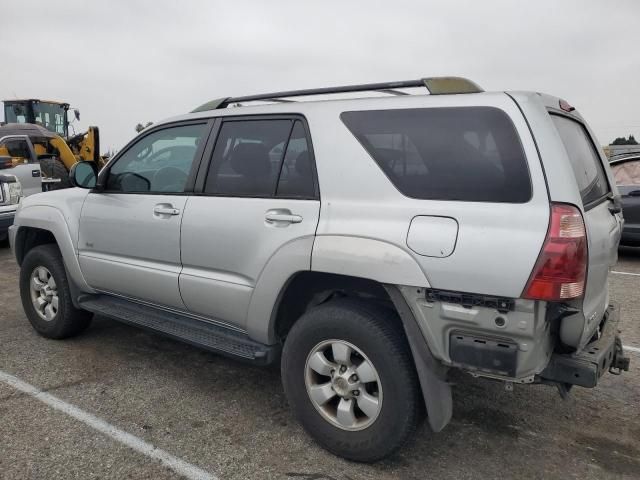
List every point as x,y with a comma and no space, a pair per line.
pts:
47,139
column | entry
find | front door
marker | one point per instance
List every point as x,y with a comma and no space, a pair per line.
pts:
260,196
129,240
26,166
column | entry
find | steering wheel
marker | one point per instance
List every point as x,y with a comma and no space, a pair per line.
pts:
169,179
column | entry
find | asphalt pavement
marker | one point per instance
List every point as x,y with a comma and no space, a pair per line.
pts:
127,403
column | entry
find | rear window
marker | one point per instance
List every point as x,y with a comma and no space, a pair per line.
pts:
459,153
584,158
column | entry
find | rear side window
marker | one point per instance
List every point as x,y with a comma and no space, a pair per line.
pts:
247,158
458,153
262,158
296,176
584,158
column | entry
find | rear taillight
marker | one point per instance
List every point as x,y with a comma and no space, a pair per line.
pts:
561,269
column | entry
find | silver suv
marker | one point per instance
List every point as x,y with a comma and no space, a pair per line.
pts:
371,245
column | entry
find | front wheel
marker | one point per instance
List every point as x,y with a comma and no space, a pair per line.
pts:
46,297
349,377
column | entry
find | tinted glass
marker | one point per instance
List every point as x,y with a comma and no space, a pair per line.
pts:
247,158
159,162
296,175
585,161
462,153
627,173
16,147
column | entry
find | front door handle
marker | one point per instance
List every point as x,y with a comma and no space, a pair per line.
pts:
166,209
282,216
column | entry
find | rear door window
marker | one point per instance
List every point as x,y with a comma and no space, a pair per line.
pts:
262,158
247,158
457,153
585,161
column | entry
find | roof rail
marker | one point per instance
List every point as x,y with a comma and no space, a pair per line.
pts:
435,86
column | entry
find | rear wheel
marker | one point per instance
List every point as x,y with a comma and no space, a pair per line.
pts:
54,168
46,297
350,379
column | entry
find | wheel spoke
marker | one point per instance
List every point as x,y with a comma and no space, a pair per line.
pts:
368,404
48,312
42,275
365,372
345,415
341,353
40,304
51,283
319,364
36,284
321,394
54,303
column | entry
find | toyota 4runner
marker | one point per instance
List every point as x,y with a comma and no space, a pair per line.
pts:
370,245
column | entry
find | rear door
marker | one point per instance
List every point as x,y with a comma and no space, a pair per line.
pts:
259,197
603,225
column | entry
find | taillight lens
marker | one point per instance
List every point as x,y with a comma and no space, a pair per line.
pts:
561,269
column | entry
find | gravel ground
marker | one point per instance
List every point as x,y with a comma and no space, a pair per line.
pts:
232,420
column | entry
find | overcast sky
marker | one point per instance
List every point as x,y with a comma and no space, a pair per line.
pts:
124,62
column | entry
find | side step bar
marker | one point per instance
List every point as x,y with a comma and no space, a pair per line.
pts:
208,336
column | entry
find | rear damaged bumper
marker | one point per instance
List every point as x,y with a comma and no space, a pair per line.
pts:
584,368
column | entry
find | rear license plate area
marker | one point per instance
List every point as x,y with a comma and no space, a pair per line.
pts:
485,354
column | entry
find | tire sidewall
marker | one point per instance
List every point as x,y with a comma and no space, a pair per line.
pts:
398,396
36,258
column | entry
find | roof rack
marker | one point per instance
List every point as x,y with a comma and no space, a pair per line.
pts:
435,86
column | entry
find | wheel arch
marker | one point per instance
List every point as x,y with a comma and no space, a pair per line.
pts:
38,225
307,289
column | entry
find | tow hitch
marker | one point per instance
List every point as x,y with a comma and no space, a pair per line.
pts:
620,362
584,368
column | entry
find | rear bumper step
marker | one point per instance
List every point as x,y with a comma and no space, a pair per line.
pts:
196,332
585,368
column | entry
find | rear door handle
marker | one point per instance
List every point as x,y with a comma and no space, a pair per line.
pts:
165,210
282,216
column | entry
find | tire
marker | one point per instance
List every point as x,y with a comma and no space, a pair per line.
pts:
65,320
54,168
377,337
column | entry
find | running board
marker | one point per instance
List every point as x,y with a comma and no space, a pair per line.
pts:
199,333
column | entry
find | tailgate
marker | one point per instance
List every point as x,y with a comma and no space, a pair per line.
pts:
602,222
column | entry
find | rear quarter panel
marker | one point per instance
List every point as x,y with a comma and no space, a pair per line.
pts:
497,244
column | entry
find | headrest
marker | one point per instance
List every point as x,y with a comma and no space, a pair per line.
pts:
303,164
251,159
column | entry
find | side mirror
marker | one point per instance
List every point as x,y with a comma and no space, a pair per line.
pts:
76,113
83,175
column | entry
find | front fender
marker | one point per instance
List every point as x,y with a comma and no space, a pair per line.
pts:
52,219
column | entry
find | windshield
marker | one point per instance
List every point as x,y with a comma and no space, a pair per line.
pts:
15,113
52,116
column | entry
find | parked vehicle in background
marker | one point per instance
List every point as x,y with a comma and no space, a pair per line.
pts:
626,172
371,245
18,156
10,195
52,145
